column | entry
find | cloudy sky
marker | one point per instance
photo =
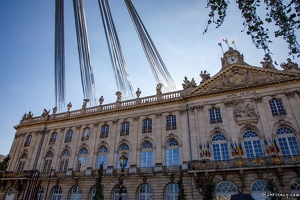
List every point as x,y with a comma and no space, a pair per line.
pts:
175,26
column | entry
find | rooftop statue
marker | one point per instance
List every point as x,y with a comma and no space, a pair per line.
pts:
138,93
101,100
289,65
45,113
267,63
187,84
69,106
205,76
158,88
119,95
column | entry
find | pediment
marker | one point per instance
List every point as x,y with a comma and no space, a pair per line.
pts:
241,77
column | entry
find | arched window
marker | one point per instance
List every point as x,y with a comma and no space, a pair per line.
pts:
27,141
145,192
56,193
171,122
225,189
257,188
102,156
10,194
82,159
220,147
69,136
86,134
40,194
117,192
21,163
123,147
287,141
75,193
104,131
64,161
146,154
47,161
147,126
125,128
93,193
172,152
295,186
53,138
252,144
172,192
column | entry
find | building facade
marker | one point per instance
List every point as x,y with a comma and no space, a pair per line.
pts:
239,129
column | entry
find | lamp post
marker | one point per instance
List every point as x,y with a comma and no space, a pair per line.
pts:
123,163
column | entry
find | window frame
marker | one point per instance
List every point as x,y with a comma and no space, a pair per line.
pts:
146,154
172,153
215,116
69,136
221,144
125,128
277,107
252,143
28,140
104,131
147,125
171,123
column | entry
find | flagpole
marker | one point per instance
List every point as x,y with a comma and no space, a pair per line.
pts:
221,47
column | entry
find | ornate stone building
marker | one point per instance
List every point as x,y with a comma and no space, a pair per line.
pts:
237,129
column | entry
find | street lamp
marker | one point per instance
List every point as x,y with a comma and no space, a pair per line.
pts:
123,163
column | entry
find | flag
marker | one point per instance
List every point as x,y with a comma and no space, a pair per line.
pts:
267,146
242,152
201,151
220,44
232,42
225,40
208,150
277,148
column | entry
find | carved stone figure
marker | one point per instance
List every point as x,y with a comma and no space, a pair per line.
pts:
29,115
205,76
289,65
119,95
45,113
187,84
69,106
54,110
101,100
138,93
85,101
267,63
244,109
158,88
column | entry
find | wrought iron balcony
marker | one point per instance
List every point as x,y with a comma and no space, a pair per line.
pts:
250,163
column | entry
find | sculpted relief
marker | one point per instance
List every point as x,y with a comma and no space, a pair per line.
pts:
244,112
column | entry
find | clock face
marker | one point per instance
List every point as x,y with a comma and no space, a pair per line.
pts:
232,60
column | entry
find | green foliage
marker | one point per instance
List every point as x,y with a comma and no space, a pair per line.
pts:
272,188
284,14
181,195
209,191
99,186
4,165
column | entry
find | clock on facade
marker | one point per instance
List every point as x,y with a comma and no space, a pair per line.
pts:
232,60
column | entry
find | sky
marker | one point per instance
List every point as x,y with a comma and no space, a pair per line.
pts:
175,26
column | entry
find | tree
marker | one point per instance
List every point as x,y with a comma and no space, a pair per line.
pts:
284,14
4,165
99,186
209,190
181,195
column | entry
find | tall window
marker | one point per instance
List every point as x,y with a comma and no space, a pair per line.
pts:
64,161
252,144
224,189
117,192
172,191
40,194
123,147
82,158
146,154
257,188
53,138
125,128
69,136
277,107
56,193
145,192
147,126
27,141
215,116
220,147
86,134
102,156
287,141
93,193
21,163
47,162
104,131
171,122
75,193
172,153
